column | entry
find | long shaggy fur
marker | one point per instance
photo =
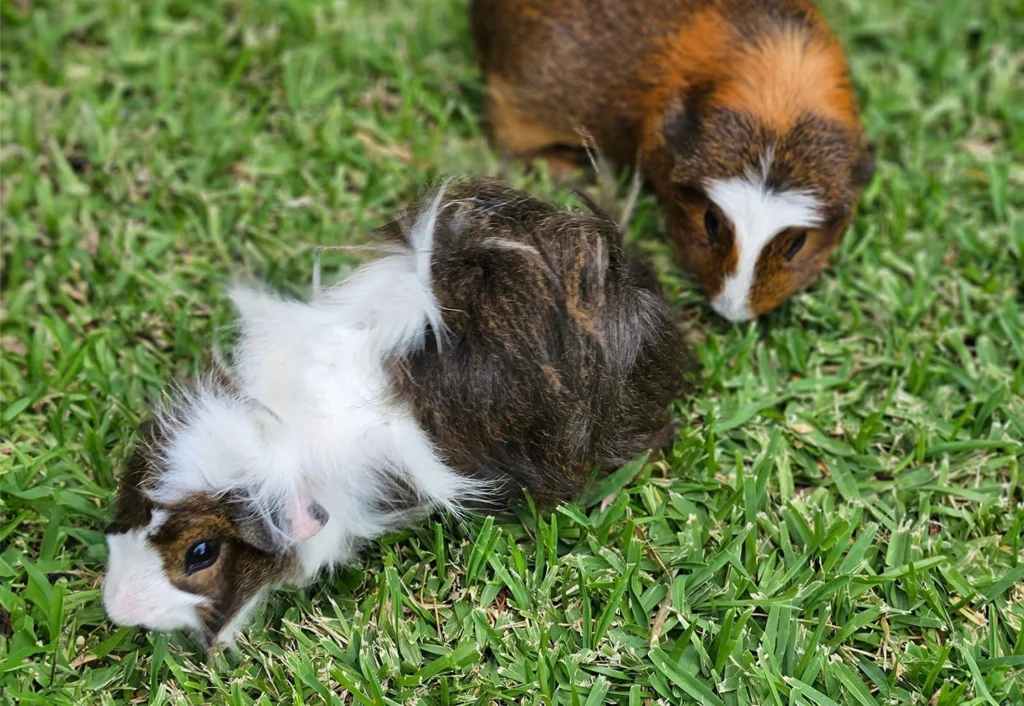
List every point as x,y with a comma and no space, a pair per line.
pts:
561,356
503,345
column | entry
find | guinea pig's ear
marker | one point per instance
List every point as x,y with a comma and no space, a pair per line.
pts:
863,169
305,517
297,519
680,121
681,131
681,118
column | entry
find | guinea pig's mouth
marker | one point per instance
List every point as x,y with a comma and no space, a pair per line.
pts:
732,307
129,611
194,615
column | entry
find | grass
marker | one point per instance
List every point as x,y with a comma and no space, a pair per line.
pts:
840,520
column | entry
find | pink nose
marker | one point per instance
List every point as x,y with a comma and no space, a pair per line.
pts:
124,609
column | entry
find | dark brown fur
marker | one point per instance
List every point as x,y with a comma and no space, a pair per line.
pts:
554,362
699,89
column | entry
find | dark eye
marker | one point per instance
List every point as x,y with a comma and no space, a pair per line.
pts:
795,245
711,223
202,555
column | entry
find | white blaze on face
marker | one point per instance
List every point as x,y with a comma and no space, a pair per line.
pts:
757,215
136,590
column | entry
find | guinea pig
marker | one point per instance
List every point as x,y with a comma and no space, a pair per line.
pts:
741,114
501,345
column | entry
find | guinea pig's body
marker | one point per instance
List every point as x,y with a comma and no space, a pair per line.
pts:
503,345
741,113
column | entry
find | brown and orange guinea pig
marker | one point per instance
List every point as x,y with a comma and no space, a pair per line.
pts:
503,344
741,113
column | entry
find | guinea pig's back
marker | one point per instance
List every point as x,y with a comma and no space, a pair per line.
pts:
575,64
559,354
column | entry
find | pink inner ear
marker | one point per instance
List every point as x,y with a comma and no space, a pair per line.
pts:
304,523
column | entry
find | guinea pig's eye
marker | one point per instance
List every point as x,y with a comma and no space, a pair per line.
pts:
201,555
711,223
795,245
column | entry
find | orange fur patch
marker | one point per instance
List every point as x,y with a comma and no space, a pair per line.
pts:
788,74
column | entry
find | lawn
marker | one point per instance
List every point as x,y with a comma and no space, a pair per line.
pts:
839,521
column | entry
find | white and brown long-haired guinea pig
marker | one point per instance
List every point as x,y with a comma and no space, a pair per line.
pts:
504,344
741,112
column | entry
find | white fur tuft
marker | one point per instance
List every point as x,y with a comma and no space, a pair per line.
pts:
504,244
757,214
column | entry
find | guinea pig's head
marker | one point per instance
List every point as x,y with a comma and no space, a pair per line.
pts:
761,164
198,535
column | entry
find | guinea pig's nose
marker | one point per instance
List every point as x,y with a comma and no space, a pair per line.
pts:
123,607
732,307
